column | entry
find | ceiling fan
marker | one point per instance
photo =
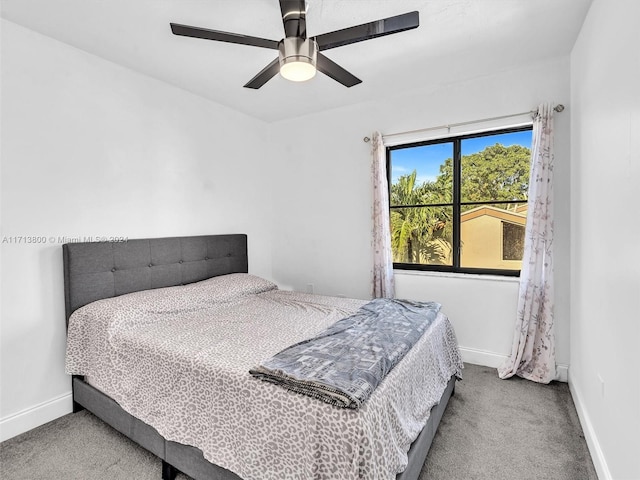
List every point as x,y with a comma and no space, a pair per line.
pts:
299,57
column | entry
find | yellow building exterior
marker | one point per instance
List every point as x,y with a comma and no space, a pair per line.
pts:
492,237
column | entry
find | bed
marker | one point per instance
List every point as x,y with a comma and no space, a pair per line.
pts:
149,270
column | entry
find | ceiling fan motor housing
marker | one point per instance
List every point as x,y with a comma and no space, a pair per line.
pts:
296,50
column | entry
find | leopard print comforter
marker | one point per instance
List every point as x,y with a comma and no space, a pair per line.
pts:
178,359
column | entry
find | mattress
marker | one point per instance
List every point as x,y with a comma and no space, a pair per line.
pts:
178,359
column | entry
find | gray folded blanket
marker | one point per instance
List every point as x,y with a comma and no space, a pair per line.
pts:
345,363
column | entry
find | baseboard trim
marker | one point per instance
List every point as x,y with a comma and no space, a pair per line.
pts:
35,416
494,360
562,372
597,455
482,357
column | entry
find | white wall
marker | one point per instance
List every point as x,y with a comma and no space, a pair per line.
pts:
605,235
322,201
90,148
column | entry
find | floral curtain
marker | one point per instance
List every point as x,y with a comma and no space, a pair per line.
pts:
533,350
383,284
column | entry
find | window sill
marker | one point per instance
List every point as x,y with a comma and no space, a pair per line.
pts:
466,276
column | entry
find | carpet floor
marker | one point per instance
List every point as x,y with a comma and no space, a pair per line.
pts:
492,429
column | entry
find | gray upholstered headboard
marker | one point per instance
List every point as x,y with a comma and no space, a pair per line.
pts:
97,270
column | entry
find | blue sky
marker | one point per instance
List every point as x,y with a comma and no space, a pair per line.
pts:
426,160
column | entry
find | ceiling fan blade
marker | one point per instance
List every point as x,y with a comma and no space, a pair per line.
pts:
294,18
266,74
367,31
205,33
335,71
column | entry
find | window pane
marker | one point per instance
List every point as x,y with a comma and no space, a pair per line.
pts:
422,175
492,236
495,167
512,241
422,235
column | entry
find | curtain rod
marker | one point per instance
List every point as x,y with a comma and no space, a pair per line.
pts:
557,108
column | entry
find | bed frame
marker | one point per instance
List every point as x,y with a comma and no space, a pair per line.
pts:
97,270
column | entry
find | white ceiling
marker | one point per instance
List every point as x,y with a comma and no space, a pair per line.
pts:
456,40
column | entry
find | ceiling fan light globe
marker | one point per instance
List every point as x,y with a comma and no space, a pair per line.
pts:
298,71
298,58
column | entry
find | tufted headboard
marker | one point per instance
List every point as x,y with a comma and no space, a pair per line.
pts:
97,270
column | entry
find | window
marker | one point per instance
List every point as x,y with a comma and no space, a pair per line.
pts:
459,204
512,241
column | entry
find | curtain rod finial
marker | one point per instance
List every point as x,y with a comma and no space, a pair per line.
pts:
559,108
366,139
